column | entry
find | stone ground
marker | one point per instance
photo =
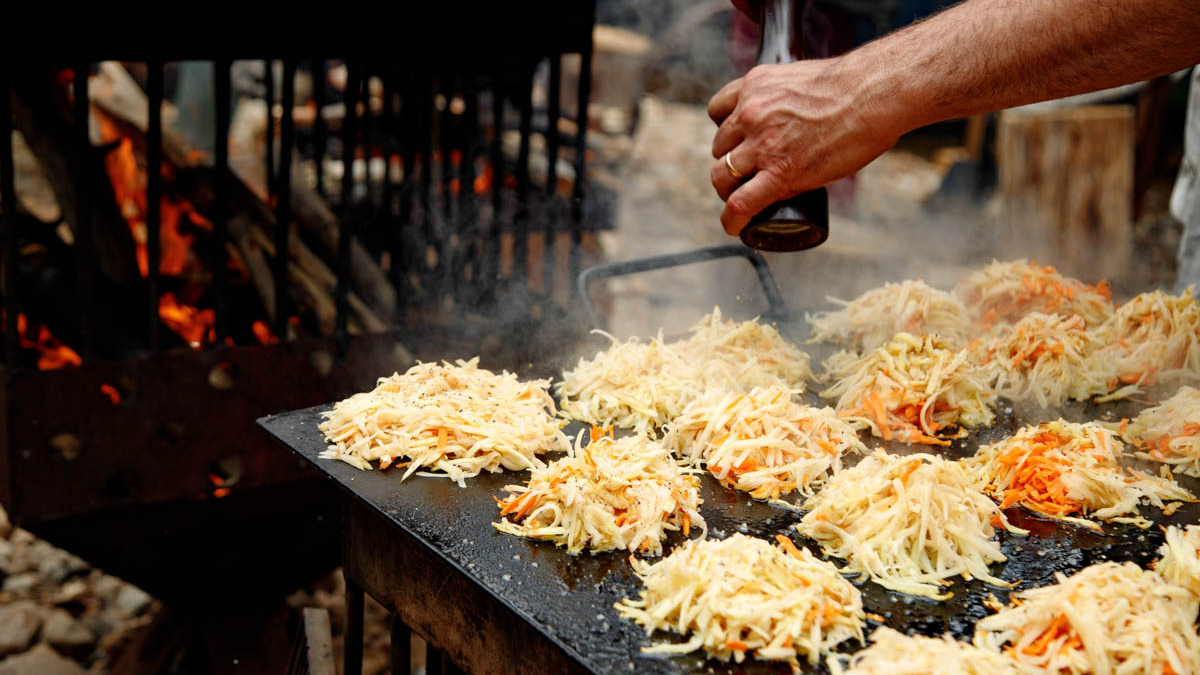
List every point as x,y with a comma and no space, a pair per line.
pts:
58,615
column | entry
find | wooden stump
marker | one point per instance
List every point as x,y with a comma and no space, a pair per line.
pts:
1066,187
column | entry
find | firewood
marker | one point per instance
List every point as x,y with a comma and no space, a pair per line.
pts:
121,97
44,117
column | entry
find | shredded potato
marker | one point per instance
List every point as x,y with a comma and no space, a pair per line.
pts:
1003,292
742,596
1179,561
456,419
1060,469
642,386
894,653
1106,618
611,495
762,442
1153,337
1046,358
872,318
1170,432
915,389
909,523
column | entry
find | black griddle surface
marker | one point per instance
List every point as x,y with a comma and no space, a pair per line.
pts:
570,598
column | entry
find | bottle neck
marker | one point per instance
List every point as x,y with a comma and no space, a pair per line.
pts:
780,39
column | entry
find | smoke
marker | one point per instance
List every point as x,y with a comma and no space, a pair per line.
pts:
917,212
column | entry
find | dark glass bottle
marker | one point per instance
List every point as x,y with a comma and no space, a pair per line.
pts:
800,222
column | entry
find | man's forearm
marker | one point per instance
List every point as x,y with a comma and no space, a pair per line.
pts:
984,55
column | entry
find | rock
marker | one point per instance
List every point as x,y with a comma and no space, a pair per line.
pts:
21,584
107,587
5,523
66,634
41,660
133,600
19,623
74,590
58,565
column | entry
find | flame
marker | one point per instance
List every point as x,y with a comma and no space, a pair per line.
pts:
483,182
263,333
111,392
217,481
52,354
129,188
192,324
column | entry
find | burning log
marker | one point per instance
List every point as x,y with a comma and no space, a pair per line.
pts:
251,230
43,115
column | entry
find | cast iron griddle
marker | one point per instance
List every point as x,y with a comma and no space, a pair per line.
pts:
570,598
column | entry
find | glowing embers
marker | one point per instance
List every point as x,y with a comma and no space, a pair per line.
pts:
1106,618
621,494
1064,470
910,523
52,353
452,419
917,389
744,597
762,442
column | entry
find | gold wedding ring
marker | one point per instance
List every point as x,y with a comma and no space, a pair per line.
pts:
729,165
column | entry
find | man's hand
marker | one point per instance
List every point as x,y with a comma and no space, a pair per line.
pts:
790,128
798,126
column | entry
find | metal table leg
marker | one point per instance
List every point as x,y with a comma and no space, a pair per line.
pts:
354,629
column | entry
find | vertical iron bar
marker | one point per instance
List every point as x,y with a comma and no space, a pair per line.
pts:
468,211
433,660
401,647
345,223
447,132
269,84
154,93
401,253
352,655
365,132
283,197
83,207
220,214
428,219
491,258
318,74
8,196
387,130
522,217
551,212
585,91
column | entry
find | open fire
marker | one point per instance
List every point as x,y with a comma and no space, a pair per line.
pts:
52,353
179,221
